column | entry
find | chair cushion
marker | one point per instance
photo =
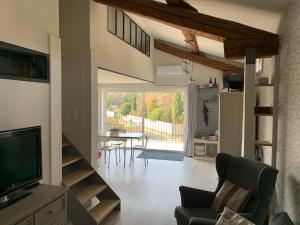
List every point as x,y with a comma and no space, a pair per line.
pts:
231,196
183,215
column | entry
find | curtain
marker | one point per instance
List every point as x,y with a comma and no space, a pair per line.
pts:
191,119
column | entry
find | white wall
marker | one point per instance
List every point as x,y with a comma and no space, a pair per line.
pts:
112,53
79,77
28,24
201,74
288,157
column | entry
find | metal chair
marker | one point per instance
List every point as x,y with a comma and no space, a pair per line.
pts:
102,146
142,147
119,143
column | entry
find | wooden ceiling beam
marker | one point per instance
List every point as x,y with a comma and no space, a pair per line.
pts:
190,38
237,37
197,58
191,41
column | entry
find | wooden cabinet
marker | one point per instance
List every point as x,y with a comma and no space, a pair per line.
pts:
231,123
45,206
27,221
50,212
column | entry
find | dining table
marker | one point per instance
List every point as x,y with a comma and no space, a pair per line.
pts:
111,135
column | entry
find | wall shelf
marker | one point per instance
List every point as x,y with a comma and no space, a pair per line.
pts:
264,85
263,143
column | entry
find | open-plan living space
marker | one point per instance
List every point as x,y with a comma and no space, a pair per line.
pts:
146,112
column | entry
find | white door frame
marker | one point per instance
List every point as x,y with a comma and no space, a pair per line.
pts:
141,88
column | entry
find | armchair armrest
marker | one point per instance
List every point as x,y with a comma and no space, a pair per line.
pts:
195,198
248,216
201,221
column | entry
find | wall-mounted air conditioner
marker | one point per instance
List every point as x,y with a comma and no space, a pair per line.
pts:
169,70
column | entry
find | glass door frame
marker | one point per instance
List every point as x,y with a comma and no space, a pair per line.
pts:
141,89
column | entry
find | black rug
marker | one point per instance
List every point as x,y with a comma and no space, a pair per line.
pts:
162,155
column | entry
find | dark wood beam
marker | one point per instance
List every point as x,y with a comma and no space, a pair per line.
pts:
174,2
198,58
237,37
190,38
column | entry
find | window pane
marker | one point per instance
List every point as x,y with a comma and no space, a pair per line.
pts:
143,42
133,34
120,24
111,20
126,29
139,38
147,45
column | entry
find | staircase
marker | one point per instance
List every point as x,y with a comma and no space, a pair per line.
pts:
90,199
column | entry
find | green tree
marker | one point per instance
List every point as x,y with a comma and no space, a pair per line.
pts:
130,97
177,107
109,103
167,115
125,109
151,103
156,113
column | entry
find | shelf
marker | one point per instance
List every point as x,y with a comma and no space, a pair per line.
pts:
263,114
201,141
264,85
263,143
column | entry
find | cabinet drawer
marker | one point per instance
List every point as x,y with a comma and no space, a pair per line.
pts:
28,221
49,212
61,220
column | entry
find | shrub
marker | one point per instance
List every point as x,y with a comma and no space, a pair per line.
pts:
125,109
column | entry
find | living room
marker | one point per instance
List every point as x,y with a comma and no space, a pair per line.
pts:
72,37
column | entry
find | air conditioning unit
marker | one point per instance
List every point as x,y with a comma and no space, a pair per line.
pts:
170,70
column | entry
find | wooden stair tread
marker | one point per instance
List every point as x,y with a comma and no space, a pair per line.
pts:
77,176
69,159
87,193
105,207
65,144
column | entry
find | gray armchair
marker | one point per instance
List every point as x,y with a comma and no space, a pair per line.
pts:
254,176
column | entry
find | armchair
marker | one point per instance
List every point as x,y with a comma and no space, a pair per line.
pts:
259,178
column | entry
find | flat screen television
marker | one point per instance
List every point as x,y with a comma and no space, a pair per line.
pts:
20,160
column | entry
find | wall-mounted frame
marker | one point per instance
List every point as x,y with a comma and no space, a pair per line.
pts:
18,63
122,26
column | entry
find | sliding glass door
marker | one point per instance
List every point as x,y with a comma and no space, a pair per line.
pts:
159,114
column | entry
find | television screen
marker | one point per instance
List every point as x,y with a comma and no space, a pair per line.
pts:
20,159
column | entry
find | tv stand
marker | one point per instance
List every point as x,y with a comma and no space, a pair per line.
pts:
46,205
12,198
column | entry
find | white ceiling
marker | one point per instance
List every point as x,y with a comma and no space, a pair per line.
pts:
262,14
109,77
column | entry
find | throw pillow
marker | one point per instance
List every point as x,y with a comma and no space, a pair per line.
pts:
231,196
230,217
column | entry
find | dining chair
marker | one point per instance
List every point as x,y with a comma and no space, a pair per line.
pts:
102,146
142,147
119,143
